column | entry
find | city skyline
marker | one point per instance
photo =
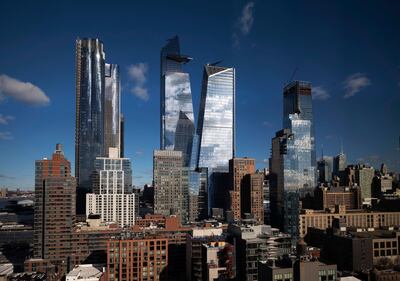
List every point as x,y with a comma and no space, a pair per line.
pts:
348,97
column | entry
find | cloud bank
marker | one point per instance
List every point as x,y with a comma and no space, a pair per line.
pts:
5,119
320,93
355,83
20,91
138,74
244,23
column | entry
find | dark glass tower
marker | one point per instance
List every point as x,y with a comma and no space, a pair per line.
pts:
216,123
176,101
89,134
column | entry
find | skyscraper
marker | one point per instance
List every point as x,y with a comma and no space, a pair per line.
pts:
90,85
98,120
293,160
292,173
252,196
325,169
297,98
112,184
112,118
171,184
238,169
54,209
216,123
176,118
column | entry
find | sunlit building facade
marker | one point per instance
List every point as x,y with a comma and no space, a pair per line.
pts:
112,198
112,117
176,118
297,99
292,173
216,124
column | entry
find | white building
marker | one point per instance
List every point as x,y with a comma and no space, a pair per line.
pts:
112,198
85,272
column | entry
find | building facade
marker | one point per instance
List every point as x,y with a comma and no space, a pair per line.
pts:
238,169
112,199
90,88
112,109
353,218
137,259
216,124
328,198
171,184
252,196
293,174
54,210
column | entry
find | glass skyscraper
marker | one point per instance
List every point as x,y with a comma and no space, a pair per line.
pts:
98,117
292,162
216,123
112,118
297,98
176,118
89,134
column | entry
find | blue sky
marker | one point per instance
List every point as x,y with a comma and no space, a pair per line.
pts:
349,50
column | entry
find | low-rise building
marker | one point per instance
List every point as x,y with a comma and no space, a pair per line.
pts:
137,259
255,243
86,272
322,219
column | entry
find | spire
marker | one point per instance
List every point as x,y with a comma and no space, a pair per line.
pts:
322,152
341,146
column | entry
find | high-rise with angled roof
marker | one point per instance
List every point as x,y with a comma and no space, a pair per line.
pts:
176,116
216,123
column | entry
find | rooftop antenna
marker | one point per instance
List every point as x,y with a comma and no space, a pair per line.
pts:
341,146
322,152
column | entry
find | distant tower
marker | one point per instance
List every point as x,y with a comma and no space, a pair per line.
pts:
339,162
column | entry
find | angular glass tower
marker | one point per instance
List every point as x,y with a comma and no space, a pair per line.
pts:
176,101
89,132
292,174
112,118
297,98
216,123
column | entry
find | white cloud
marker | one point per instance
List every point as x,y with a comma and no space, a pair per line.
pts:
320,93
24,92
244,23
355,83
138,74
6,136
4,119
140,92
246,19
267,124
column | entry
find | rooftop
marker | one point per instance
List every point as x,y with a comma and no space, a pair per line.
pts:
83,271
